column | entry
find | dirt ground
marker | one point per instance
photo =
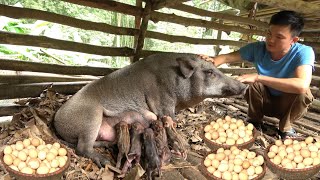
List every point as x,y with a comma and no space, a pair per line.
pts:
36,121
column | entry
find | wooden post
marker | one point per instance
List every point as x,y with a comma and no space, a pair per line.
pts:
143,28
137,25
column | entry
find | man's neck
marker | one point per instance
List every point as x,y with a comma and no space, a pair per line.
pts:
278,55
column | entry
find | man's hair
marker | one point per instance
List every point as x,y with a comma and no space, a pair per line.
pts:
294,19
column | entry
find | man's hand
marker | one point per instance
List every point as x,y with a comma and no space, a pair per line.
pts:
248,78
206,58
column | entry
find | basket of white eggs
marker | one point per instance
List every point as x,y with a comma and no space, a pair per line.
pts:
33,158
226,132
294,158
233,163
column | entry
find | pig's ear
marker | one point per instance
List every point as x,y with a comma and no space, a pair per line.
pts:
186,66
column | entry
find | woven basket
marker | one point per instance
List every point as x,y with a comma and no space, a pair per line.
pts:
50,176
214,146
290,174
202,168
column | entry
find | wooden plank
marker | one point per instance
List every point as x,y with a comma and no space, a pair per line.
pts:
316,71
34,90
221,16
42,41
157,16
15,12
11,109
109,5
15,65
172,18
25,79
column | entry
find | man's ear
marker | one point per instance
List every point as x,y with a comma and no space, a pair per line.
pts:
295,39
186,66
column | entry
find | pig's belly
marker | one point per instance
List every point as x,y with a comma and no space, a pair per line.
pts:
107,131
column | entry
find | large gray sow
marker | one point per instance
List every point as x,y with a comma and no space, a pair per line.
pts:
144,91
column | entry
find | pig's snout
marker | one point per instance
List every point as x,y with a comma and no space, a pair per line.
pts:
237,88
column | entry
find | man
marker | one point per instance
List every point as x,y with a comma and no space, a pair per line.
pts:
284,66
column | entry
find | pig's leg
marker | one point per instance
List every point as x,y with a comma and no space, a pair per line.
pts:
85,148
105,144
87,138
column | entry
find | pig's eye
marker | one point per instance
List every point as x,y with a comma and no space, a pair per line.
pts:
209,72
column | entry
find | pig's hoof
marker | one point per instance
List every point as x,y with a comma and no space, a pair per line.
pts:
100,160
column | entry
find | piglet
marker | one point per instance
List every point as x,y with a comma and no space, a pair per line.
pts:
161,141
152,161
135,150
123,141
175,140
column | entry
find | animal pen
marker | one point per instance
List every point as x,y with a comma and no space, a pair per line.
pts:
66,79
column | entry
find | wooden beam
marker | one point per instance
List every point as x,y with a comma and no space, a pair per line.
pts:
34,90
157,16
294,5
17,13
143,29
167,4
14,12
109,5
9,110
25,79
221,16
15,65
184,39
41,41
172,18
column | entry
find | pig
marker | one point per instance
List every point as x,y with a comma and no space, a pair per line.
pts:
152,161
136,147
123,141
160,136
158,85
175,140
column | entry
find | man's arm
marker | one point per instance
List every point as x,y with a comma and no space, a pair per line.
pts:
297,85
227,58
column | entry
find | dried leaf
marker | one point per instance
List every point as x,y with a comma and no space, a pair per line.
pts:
135,173
107,174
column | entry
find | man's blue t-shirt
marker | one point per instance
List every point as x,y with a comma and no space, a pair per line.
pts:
298,55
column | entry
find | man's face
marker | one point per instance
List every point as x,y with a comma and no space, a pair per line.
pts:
279,39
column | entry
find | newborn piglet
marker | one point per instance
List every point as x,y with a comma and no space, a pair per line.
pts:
152,161
123,141
135,150
160,137
175,140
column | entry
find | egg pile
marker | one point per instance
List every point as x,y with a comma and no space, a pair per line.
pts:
34,156
293,154
229,131
234,163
